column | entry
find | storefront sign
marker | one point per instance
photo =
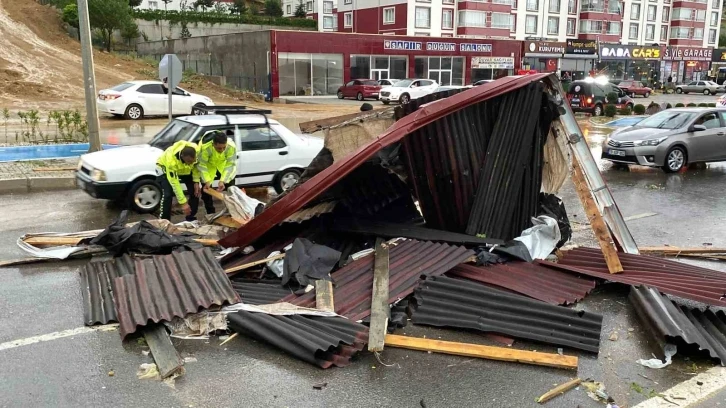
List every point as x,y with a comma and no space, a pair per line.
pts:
718,55
439,46
402,45
469,47
688,54
584,47
545,47
624,52
492,62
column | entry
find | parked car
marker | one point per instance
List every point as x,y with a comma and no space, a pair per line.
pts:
704,87
633,88
591,97
387,82
360,89
671,139
483,81
406,89
138,99
451,87
266,155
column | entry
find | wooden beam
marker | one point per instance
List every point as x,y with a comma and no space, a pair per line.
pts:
324,295
379,301
596,221
668,250
560,389
165,355
486,352
73,241
227,221
214,193
255,263
320,124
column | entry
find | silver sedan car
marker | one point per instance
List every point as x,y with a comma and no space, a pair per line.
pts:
704,87
671,139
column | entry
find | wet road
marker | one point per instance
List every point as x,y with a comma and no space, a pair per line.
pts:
73,371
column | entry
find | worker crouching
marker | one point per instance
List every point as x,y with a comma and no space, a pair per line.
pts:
217,159
177,165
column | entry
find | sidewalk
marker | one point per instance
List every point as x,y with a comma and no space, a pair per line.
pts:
36,175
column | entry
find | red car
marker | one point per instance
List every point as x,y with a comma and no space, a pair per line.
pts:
360,89
633,88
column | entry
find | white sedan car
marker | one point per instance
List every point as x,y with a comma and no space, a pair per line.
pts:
406,89
136,99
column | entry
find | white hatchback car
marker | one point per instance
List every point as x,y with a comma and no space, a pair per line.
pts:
406,89
136,99
268,153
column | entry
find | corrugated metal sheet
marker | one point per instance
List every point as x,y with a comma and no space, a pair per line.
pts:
408,260
535,281
449,302
669,322
169,286
258,292
307,192
323,341
97,288
312,212
671,277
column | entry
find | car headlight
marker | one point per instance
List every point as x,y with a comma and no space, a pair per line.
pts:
650,142
98,175
80,165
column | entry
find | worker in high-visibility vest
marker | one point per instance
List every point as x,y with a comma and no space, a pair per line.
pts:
178,164
217,159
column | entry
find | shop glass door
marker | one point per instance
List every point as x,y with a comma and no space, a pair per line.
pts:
379,74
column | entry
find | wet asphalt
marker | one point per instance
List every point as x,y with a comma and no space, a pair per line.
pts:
73,371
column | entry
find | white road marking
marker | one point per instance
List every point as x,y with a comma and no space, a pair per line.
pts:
57,335
689,392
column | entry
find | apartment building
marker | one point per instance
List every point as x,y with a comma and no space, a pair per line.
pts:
325,12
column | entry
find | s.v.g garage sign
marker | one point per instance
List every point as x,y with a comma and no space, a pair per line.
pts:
625,52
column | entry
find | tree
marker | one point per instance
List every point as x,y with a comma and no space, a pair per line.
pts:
254,9
239,7
273,8
204,4
220,8
300,11
130,32
106,16
70,17
134,3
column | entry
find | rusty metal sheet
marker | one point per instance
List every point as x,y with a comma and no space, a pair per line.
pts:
308,191
168,286
533,280
312,212
97,288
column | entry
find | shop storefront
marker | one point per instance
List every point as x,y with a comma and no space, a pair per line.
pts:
686,64
636,62
542,56
718,65
579,59
313,63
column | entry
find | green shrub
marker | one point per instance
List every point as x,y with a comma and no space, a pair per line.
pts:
669,106
639,109
612,97
213,17
610,110
711,105
680,105
691,105
703,105
625,111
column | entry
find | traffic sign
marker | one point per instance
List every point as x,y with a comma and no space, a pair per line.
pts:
170,70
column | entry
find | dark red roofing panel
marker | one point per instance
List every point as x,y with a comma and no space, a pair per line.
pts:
308,191
533,280
168,286
671,277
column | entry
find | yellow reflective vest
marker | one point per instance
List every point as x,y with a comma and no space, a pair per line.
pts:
211,162
173,166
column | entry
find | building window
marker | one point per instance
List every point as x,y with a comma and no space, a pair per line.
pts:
698,34
347,1
714,18
553,26
447,19
633,34
680,32
590,27
472,19
635,11
423,17
444,70
532,5
502,20
651,13
422,34
716,4
650,32
309,6
555,6
530,25
613,27
449,35
571,7
289,9
689,14
328,22
666,15
309,74
592,5
711,36
348,20
389,15
614,7
504,2
571,26
664,33
423,1
327,7
448,1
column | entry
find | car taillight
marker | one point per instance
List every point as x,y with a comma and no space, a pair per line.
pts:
112,97
589,100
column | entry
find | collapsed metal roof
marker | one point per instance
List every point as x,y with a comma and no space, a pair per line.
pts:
97,288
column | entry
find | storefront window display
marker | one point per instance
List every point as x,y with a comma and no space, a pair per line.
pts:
310,74
491,68
645,71
378,67
444,70
575,69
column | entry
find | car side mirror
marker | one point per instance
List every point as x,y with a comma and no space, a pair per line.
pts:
698,128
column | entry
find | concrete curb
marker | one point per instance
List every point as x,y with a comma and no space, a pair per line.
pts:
33,184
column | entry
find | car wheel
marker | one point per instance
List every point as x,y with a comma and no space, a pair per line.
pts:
706,92
134,112
597,111
647,94
144,196
679,90
385,102
198,112
404,99
285,180
675,160
359,96
340,95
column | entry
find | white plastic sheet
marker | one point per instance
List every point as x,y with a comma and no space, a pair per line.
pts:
241,207
542,238
669,350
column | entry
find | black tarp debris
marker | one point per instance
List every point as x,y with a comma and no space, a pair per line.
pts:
306,262
552,206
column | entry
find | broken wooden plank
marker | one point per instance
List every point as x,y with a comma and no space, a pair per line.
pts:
602,234
255,263
320,124
73,241
668,250
486,352
324,295
560,389
379,301
165,355
214,193
227,221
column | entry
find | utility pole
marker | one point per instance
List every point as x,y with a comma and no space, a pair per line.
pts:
89,78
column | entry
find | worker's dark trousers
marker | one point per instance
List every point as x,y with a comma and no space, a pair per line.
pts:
208,200
167,196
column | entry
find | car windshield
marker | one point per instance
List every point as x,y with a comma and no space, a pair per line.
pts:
404,83
173,132
122,87
371,82
667,120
